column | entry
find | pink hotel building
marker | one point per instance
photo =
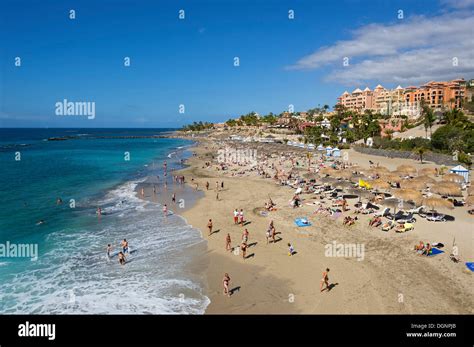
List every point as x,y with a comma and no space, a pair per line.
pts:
405,101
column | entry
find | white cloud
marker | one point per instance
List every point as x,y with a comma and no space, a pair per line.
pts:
459,4
414,50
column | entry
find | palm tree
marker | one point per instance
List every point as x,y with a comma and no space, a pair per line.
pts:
420,151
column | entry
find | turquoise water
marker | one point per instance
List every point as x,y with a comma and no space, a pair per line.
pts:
72,273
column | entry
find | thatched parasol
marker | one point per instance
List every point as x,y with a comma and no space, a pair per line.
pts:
361,193
380,184
447,188
346,174
470,200
412,184
452,177
470,190
426,179
380,170
328,180
409,195
390,177
434,203
342,184
427,171
397,204
311,176
408,169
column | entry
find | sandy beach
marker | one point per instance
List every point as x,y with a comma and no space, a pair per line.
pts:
388,277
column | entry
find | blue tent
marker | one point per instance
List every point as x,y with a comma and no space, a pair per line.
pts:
461,171
328,151
336,152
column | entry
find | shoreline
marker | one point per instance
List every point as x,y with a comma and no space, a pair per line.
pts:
268,283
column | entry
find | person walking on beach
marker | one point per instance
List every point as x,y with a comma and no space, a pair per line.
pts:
143,192
217,195
154,189
217,186
225,283
207,185
243,248
236,216
245,236
173,198
228,246
241,217
165,209
222,185
209,226
325,280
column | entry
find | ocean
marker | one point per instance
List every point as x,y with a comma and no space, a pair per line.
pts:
72,274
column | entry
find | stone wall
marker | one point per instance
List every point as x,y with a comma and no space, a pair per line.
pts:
437,158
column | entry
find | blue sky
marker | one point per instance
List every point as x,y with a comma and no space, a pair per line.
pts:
190,61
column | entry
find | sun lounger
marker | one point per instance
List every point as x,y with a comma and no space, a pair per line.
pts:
389,225
402,228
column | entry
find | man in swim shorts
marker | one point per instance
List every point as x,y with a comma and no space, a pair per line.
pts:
325,280
124,246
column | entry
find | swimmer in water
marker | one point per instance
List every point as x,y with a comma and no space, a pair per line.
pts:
121,258
99,211
165,210
41,221
59,201
109,250
124,246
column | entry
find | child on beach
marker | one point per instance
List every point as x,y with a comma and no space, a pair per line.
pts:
225,283
228,246
291,250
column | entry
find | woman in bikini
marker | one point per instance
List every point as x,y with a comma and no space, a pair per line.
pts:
228,246
225,283
209,226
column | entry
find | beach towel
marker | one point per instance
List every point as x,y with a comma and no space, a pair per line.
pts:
470,266
300,222
435,251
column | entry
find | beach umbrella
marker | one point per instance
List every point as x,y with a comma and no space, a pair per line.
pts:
426,179
412,184
380,170
452,177
409,195
346,174
329,171
328,180
397,204
427,171
470,200
409,169
470,190
447,188
436,203
343,184
380,184
311,176
390,177
361,193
